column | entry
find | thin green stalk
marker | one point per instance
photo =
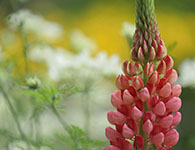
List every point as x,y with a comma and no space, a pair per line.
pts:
59,117
142,133
14,114
86,106
37,133
63,123
24,48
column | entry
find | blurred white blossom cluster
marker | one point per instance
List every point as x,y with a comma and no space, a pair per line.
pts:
35,24
187,73
128,29
80,42
62,62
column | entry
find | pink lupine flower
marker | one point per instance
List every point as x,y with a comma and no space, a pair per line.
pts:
147,101
127,132
128,99
171,137
158,139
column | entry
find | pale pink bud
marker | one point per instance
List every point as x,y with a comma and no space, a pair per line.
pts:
133,54
157,37
171,76
165,91
138,83
176,118
169,62
171,138
140,54
162,42
146,35
112,134
162,52
159,109
154,44
116,99
121,82
174,104
158,139
131,70
150,40
162,67
136,114
154,78
152,53
166,122
145,48
144,94
116,118
152,68
124,67
176,91
138,143
141,39
104,149
127,132
111,147
147,69
147,126
128,99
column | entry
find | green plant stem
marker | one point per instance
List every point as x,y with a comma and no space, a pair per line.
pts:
142,133
37,133
14,114
24,47
59,117
86,106
63,123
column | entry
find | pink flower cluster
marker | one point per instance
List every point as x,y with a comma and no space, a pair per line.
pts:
147,107
144,46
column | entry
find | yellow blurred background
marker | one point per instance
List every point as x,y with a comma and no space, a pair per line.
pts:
102,21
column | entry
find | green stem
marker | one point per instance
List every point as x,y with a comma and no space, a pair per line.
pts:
59,117
37,133
142,133
63,123
24,47
14,114
86,104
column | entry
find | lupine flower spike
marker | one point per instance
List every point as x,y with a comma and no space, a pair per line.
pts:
147,102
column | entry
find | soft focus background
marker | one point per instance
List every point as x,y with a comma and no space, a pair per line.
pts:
71,50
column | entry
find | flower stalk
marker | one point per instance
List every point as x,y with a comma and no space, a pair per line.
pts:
147,102
15,116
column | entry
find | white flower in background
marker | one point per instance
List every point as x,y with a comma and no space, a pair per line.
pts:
80,42
61,62
36,24
107,65
187,73
128,30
